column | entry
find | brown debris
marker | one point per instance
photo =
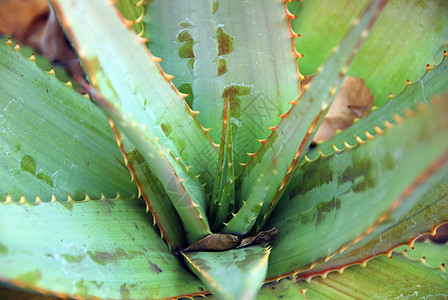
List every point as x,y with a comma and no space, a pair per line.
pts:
222,242
33,22
353,101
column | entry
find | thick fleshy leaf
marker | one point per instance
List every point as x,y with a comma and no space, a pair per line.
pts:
157,200
433,82
232,274
130,79
236,49
328,196
53,141
223,197
287,142
93,249
383,278
422,210
185,192
431,254
408,36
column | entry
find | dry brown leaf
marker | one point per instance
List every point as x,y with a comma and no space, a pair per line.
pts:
354,100
33,23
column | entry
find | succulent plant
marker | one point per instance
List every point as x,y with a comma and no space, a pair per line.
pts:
220,154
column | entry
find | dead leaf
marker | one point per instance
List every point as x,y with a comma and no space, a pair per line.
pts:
33,22
261,238
215,242
354,100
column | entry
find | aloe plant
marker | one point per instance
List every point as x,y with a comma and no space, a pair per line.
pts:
220,154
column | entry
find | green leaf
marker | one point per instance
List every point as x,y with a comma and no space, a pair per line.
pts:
157,201
407,36
53,141
232,274
383,278
223,197
134,84
433,82
292,136
236,49
328,196
93,249
186,194
430,253
414,216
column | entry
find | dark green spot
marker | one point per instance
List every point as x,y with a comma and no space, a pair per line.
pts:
100,258
314,176
103,258
184,35
72,259
3,250
326,207
154,268
222,66
166,129
80,288
215,6
186,50
363,174
30,278
201,264
46,178
190,63
124,292
28,164
185,24
135,156
225,42
233,91
18,147
388,162
186,88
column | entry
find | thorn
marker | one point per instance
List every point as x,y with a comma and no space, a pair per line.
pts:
142,40
53,199
69,198
368,135
390,96
347,145
387,124
32,58
8,199
102,197
156,59
22,199
359,140
409,113
307,159
408,82
378,130
336,149
51,72
69,84
17,47
8,42
397,118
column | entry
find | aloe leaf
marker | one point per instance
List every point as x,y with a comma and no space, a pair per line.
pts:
431,254
414,216
133,12
157,200
382,278
433,82
53,141
325,194
205,44
185,192
285,289
232,274
223,200
135,83
96,249
294,133
407,36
